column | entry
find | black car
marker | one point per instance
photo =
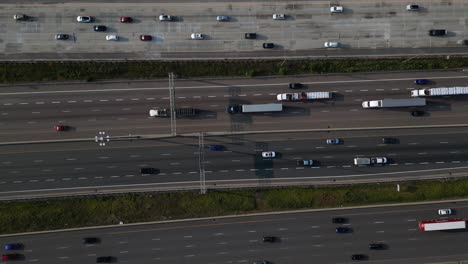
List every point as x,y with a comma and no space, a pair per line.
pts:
270,239
389,140
376,246
91,240
250,35
437,32
417,113
100,28
268,45
295,85
358,257
234,109
342,230
105,259
61,36
338,220
148,171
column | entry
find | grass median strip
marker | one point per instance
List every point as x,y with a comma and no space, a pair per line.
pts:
89,71
131,208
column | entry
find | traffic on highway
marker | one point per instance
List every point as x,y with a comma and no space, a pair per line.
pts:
375,234
268,107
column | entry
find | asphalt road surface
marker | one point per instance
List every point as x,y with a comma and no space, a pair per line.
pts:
29,112
303,238
86,167
364,28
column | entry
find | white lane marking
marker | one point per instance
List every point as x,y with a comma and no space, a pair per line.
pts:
440,162
135,99
412,229
351,146
221,243
348,91
409,163
443,142
36,112
411,220
315,226
40,102
174,163
70,159
65,257
424,162
71,101
188,246
103,100
240,170
115,176
166,154
189,256
379,222
123,252
187,236
223,170
395,89
88,101
284,169
319,147
282,229
252,231
330,167
381,231
155,239
422,153
253,169
455,161
235,160
119,99
24,103
413,143
66,179
218,234
257,94
212,96
346,166
150,98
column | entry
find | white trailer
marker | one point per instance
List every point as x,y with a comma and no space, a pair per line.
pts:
444,224
441,91
291,97
394,103
254,108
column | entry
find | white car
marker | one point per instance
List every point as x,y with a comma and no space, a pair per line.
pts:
165,18
112,37
84,19
268,154
331,44
197,36
445,211
336,9
279,17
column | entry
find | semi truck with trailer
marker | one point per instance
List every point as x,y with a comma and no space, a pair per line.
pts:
441,91
180,112
304,96
387,103
442,224
254,108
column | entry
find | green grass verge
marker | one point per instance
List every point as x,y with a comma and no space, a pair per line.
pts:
90,71
130,208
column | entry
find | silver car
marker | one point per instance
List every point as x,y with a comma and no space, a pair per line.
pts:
197,36
331,44
333,141
222,18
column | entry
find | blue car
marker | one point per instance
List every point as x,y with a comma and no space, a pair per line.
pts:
342,230
216,147
14,246
420,81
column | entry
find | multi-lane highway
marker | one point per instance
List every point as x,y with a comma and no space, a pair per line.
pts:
303,238
364,28
86,167
29,112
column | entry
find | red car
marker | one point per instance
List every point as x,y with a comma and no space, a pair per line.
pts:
14,256
146,38
125,20
60,128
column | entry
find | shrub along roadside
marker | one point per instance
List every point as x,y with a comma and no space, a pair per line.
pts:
89,71
130,208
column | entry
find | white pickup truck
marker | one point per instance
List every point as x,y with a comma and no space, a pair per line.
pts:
370,161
